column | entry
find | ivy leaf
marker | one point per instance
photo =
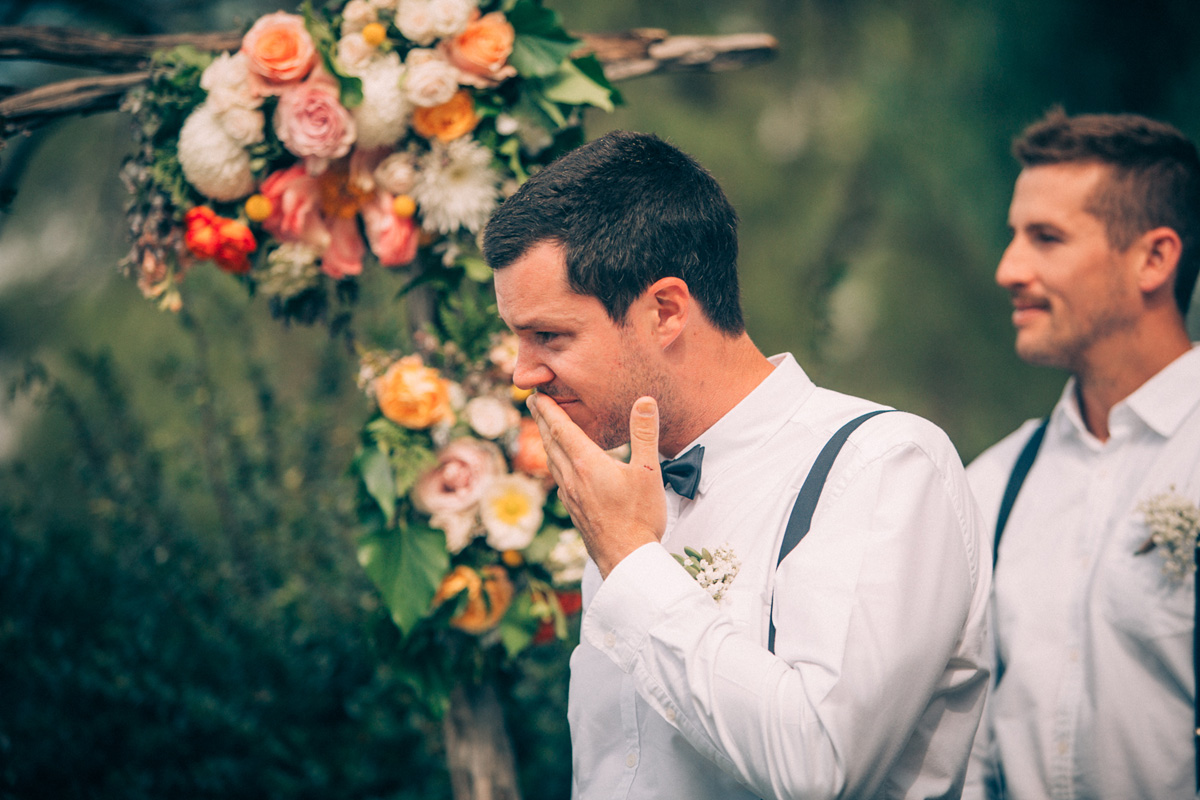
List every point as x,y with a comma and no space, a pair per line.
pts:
572,86
407,566
376,470
541,44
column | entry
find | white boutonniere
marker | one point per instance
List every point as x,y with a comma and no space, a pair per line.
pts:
1174,523
713,571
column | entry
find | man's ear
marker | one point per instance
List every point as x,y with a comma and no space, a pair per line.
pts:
670,305
1159,250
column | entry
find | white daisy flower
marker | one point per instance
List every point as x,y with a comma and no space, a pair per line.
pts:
456,187
511,511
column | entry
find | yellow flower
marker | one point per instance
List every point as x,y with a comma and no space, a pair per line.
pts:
511,511
374,33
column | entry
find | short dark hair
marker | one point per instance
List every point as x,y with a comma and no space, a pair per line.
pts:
627,209
1154,178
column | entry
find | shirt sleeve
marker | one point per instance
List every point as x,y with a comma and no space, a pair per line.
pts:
871,611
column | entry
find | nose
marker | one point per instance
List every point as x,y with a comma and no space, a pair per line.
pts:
1012,271
530,372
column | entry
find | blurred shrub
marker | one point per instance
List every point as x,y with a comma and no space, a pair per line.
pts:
181,611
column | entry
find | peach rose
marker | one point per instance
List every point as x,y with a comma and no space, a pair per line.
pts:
393,238
529,452
279,50
412,394
482,50
465,468
310,121
480,614
448,121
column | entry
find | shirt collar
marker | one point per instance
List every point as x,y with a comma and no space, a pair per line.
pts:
754,420
1161,403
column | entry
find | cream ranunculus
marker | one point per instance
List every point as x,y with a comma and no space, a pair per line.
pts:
382,117
511,511
212,161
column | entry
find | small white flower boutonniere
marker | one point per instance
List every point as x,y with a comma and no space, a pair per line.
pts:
1174,523
713,571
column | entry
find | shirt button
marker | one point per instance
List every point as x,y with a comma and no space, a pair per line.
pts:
1074,654
1062,747
610,639
670,715
631,760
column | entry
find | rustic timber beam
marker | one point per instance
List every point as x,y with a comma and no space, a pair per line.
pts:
626,55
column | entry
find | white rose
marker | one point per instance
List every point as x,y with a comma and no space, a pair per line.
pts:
511,511
490,417
353,53
568,558
397,173
357,15
430,80
450,17
414,20
212,161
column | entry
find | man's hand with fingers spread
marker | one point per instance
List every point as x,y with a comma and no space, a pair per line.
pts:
616,507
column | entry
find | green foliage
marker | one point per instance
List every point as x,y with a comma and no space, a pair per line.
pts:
407,564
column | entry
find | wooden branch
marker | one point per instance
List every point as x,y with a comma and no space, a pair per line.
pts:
627,55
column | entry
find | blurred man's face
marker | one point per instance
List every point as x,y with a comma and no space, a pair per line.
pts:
1072,293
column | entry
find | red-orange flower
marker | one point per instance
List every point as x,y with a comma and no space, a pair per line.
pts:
488,596
220,239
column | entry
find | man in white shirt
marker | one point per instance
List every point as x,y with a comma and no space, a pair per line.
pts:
1094,618
616,268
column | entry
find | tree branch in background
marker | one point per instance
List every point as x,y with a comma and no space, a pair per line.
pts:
626,55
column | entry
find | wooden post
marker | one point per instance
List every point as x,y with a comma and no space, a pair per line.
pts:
478,747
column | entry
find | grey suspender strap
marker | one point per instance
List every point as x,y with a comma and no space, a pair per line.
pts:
806,502
1015,479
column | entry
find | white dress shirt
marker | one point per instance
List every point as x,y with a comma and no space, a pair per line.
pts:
1096,696
877,683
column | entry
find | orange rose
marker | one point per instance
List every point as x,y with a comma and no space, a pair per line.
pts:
481,613
452,119
412,394
529,451
279,49
483,48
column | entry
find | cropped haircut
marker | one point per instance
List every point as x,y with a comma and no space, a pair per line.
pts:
1154,180
628,209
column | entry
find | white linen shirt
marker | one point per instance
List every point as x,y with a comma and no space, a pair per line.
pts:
877,683
1096,696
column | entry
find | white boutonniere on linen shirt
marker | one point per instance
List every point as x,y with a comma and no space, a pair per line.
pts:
1174,524
713,571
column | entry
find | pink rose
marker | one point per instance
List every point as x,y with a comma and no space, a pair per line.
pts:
295,207
279,50
464,470
393,238
345,252
311,122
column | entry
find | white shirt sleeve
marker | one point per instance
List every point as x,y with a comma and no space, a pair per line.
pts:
871,610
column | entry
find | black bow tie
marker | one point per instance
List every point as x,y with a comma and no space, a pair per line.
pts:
683,474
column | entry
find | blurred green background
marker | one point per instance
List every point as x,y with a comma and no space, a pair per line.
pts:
181,613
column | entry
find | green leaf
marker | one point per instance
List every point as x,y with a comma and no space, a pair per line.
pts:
541,44
376,470
477,269
518,626
407,566
350,92
571,86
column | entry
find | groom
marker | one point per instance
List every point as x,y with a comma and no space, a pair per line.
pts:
855,667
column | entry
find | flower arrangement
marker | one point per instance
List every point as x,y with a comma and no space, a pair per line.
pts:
1174,524
366,133
466,540
381,134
